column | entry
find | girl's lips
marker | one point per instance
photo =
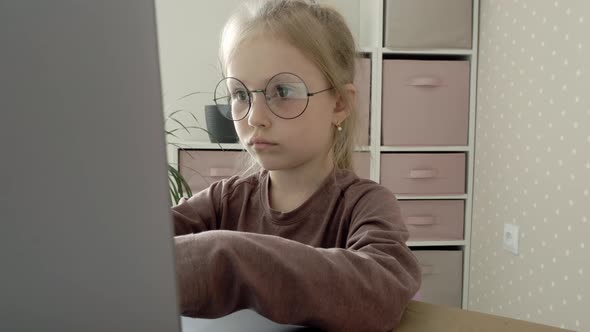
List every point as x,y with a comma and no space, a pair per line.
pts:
262,146
260,141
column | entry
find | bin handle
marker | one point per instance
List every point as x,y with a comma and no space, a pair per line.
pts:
425,81
422,173
420,220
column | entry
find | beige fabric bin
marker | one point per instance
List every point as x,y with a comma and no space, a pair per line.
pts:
442,276
361,162
425,24
434,220
425,103
423,173
201,168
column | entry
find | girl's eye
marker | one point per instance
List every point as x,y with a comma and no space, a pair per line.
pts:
239,95
284,91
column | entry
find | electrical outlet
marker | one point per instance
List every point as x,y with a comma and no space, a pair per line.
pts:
511,238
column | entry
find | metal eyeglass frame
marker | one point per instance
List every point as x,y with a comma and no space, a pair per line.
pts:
263,91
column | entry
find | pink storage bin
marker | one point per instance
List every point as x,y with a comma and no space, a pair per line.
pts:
434,220
203,167
423,173
442,276
425,103
428,24
362,81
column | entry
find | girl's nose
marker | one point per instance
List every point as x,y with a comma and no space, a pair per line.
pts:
259,111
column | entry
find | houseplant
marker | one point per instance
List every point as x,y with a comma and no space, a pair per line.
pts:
178,186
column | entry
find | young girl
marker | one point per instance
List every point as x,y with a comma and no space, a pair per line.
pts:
302,241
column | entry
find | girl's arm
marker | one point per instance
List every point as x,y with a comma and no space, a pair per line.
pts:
363,287
199,212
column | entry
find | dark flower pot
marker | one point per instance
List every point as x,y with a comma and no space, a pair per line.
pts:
221,129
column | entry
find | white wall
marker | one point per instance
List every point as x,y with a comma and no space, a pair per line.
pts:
532,162
188,37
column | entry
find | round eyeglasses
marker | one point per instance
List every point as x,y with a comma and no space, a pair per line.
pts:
285,94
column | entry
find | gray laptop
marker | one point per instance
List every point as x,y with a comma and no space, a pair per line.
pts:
85,235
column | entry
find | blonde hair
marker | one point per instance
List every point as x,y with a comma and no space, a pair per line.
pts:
322,34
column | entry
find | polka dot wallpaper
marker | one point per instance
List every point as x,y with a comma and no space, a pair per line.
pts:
532,162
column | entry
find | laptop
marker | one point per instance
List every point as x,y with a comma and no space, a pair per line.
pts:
86,241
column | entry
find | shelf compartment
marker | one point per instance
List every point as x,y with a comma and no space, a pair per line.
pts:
442,276
434,220
425,103
423,173
428,24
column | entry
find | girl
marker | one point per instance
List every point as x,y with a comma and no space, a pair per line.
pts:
303,240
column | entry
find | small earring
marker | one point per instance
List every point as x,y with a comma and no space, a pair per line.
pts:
339,128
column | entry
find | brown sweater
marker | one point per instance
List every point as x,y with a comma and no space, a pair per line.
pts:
338,262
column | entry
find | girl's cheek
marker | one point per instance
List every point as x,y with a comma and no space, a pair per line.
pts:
240,131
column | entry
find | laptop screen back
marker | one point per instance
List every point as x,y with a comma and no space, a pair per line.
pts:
85,233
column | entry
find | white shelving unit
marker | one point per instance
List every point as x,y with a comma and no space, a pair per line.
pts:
370,39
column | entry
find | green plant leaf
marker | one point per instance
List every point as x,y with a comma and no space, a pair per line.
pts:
171,115
186,127
180,184
177,177
182,125
190,94
189,192
177,183
173,190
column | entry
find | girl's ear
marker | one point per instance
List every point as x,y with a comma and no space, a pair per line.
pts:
341,108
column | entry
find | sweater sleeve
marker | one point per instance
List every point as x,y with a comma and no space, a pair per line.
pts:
188,219
363,287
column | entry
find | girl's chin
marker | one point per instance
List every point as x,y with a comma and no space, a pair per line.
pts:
269,163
